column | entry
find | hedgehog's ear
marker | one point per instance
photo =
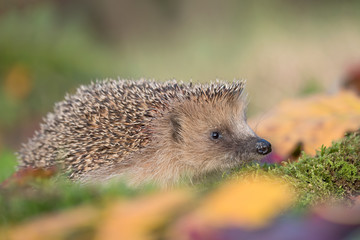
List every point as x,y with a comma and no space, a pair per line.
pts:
238,99
175,127
236,94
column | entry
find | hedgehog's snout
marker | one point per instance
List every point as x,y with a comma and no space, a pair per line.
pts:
263,147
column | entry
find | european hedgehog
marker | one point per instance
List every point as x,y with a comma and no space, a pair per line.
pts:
146,132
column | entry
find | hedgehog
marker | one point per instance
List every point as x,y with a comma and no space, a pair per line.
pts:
146,132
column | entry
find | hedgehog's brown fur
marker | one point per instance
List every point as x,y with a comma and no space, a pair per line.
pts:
145,131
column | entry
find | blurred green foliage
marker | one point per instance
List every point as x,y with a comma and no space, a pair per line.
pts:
310,87
61,49
56,56
7,164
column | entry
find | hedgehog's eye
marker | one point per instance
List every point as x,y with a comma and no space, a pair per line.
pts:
215,135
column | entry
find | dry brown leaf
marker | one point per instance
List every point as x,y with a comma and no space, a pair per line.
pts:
313,121
351,80
137,219
54,226
23,176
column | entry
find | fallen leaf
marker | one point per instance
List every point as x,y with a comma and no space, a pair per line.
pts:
25,175
250,204
138,218
311,122
351,80
54,226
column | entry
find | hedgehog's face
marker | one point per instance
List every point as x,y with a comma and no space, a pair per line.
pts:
213,136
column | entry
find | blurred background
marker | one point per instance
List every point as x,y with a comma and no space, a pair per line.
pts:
284,49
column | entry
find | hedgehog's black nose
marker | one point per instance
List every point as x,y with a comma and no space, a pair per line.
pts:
263,147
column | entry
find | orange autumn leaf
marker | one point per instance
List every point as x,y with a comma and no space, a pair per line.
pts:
18,82
251,202
136,219
312,122
54,226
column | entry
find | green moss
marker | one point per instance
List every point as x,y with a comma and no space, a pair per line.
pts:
332,174
18,203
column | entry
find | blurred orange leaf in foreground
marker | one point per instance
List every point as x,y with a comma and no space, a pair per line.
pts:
54,226
137,219
311,122
250,203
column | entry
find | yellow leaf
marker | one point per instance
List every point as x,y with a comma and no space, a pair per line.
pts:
312,121
251,202
137,218
54,226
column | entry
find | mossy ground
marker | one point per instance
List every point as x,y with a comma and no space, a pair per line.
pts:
333,174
